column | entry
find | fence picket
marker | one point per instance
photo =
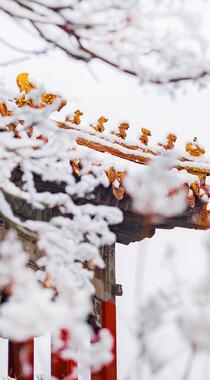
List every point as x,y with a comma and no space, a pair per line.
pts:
3,358
21,360
42,357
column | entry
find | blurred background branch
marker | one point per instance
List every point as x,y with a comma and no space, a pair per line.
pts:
157,42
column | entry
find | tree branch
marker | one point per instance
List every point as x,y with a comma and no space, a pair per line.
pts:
115,31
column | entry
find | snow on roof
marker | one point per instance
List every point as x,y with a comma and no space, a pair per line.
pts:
117,150
192,157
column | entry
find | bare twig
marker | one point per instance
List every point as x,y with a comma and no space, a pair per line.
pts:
13,61
21,50
25,57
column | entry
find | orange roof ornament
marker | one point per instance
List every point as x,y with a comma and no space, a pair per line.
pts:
76,167
25,86
4,110
116,179
100,125
76,118
144,138
123,127
170,144
194,148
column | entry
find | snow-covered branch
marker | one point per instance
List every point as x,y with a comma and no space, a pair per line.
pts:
32,147
172,327
158,41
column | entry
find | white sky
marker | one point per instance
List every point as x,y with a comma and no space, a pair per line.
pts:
120,97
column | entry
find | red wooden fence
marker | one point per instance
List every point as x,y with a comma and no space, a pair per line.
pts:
21,356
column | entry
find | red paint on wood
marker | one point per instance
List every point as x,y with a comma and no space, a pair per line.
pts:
109,372
61,368
21,360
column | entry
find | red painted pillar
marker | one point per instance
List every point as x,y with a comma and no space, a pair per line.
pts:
105,309
21,360
109,372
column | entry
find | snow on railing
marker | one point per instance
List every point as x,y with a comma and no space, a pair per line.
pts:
39,364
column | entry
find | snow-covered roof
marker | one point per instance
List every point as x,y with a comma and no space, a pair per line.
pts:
116,151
